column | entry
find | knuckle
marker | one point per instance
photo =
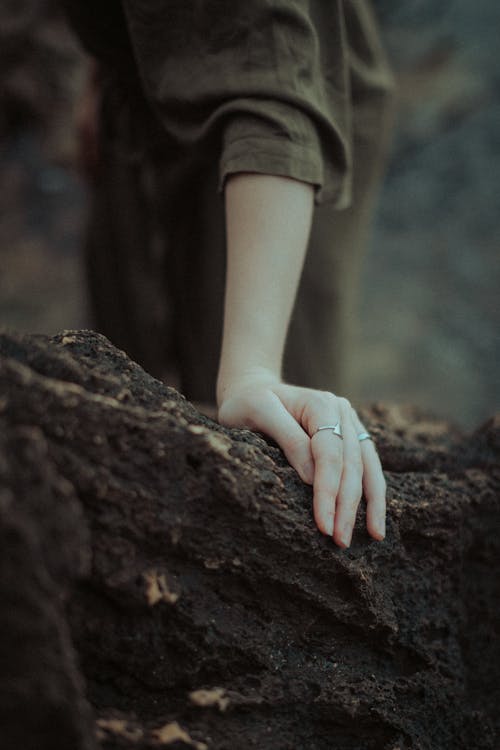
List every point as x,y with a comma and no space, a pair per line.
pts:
317,410
324,399
328,459
334,459
329,396
354,464
345,404
295,444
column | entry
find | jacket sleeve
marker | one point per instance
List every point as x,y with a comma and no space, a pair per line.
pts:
264,82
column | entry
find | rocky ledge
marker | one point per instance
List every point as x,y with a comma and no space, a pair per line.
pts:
163,583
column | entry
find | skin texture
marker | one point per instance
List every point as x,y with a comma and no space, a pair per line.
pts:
268,220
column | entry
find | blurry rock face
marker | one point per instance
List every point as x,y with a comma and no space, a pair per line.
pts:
169,570
430,313
446,144
430,302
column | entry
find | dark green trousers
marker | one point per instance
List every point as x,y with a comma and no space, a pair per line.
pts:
300,89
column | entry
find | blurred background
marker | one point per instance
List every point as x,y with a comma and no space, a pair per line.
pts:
430,311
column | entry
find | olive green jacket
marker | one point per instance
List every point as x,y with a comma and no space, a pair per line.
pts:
270,85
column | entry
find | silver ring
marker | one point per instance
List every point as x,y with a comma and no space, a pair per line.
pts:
364,436
335,428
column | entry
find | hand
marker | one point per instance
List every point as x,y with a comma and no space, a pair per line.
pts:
339,470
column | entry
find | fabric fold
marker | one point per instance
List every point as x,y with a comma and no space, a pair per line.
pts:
261,73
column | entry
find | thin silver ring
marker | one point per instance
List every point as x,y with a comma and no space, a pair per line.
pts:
364,436
335,428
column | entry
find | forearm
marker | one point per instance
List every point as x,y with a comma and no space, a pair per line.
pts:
268,220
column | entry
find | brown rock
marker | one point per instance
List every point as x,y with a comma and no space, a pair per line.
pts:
178,559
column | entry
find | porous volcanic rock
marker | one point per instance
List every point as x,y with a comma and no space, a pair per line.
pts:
163,583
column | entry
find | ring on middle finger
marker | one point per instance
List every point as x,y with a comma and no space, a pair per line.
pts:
335,428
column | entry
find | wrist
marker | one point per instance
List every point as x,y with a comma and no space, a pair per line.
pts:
232,380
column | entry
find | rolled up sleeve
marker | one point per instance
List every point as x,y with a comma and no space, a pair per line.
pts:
264,144
264,82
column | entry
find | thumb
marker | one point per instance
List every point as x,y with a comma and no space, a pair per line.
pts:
267,414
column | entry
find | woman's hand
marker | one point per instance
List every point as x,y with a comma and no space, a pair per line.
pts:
340,470
268,223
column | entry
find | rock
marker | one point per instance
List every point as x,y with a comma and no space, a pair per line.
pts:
164,585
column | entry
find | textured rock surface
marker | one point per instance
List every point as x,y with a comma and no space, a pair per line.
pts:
180,562
430,313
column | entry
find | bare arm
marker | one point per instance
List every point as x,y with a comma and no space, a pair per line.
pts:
268,223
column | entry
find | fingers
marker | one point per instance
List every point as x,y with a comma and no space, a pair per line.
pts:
344,469
339,469
374,485
351,488
328,453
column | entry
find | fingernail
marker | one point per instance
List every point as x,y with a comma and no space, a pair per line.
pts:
381,527
346,537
